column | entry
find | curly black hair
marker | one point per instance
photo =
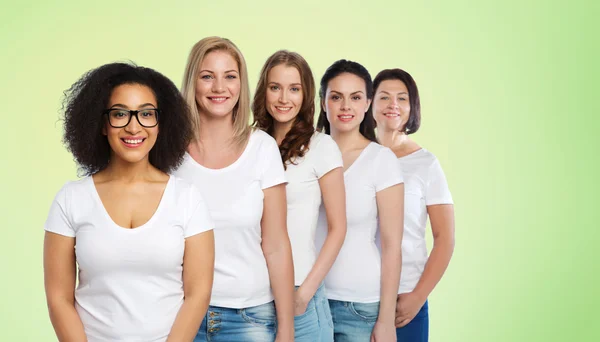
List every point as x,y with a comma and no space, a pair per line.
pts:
85,101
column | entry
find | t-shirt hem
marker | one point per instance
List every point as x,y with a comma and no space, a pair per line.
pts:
389,184
59,232
196,232
439,201
241,305
352,299
273,183
328,169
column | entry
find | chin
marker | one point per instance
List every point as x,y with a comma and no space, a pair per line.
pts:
345,128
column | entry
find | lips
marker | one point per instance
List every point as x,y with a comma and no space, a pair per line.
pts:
133,142
283,110
392,115
217,99
345,117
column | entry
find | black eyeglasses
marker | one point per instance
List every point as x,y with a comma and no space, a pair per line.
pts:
119,118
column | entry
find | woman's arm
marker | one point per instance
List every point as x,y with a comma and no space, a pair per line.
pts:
278,254
390,207
442,225
59,282
334,201
198,270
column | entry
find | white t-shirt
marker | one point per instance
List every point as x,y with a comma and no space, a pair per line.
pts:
304,198
130,280
356,274
425,184
234,195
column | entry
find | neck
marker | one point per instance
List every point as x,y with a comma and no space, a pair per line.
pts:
347,140
392,138
215,131
121,170
280,129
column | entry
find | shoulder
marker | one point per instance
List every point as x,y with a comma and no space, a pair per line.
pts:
76,187
380,152
321,141
259,136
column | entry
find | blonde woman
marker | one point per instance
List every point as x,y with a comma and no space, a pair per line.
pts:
238,170
284,107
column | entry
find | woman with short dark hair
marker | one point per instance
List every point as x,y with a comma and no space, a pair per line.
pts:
397,111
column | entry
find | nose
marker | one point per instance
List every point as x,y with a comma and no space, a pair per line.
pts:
133,126
217,85
283,96
345,104
394,103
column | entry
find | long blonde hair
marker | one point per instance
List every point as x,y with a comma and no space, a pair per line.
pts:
241,111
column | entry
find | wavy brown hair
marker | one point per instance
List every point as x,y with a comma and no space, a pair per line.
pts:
296,141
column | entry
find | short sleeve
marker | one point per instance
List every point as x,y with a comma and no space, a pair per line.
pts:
58,220
327,156
272,167
388,171
436,190
199,219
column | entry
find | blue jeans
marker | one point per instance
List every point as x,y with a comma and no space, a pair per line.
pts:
418,329
353,322
314,325
254,324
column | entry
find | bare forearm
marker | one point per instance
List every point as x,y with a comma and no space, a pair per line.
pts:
329,252
189,318
281,275
438,262
66,322
391,264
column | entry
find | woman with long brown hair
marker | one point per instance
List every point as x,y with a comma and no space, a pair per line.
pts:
284,106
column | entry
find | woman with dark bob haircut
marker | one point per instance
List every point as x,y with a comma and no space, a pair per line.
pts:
363,282
397,111
140,240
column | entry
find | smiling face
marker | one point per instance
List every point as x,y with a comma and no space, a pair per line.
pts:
284,93
391,106
133,142
346,102
218,84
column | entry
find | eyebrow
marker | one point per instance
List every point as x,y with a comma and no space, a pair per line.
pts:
125,107
212,72
354,93
292,84
402,92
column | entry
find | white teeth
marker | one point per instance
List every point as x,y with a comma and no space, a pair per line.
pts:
392,115
218,99
136,141
283,109
345,116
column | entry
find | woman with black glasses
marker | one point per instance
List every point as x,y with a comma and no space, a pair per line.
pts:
140,240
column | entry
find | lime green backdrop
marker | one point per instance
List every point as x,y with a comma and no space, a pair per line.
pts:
508,95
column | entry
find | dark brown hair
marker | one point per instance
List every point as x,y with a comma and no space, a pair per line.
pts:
296,141
367,126
414,117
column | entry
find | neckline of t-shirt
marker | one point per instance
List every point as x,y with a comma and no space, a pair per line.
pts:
414,153
360,156
139,228
230,166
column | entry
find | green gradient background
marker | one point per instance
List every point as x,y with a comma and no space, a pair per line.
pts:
508,107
